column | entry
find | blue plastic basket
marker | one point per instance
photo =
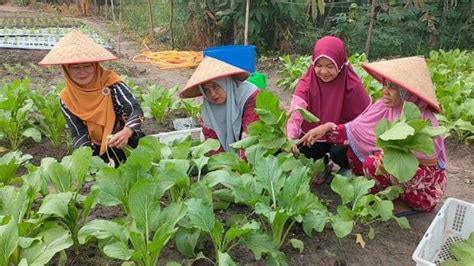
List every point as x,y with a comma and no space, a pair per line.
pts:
242,56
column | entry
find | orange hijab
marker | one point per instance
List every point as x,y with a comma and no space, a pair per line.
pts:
92,103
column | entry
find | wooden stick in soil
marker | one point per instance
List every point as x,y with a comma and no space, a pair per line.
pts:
150,15
120,28
171,23
112,9
371,27
246,30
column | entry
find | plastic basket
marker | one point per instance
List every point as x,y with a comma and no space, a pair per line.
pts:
453,223
259,80
242,56
169,137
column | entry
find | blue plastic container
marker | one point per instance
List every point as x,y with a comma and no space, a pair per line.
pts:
242,56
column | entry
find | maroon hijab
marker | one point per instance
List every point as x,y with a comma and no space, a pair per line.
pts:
338,101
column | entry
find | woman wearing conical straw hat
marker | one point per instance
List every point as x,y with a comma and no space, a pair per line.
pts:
403,79
228,101
99,108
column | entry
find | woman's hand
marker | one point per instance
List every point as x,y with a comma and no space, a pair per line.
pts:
317,133
120,139
378,162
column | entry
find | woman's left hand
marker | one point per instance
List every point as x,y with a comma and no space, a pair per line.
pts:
120,139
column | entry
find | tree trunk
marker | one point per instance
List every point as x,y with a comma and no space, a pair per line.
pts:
246,29
171,23
120,27
150,15
112,9
371,27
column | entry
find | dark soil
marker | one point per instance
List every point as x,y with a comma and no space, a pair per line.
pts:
391,246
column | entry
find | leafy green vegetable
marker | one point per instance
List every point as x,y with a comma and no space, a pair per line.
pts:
16,109
401,138
463,252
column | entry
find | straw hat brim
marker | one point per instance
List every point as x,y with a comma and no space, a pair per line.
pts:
210,69
410,73
76,48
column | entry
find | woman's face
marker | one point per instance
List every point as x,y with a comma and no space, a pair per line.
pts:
82,74
391,94
214,93
325,69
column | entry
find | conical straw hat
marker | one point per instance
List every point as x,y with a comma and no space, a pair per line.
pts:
209,69
76,48
411,73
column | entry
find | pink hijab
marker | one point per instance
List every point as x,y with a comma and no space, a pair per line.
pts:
338,101
361,131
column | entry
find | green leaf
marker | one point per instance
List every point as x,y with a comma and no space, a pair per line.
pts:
341,227
227,160
402,222
111,183
56,204
186,241
410,111
371,234
343,187
400,130
259,243
298,244
33,133
55,239
268,172
434,131
118,250
307,115
245,142
390,193
463,252
80,162
8,239
385,209
100,229
144,206
205,147
315,220
200,214
362,186
402,166
225,259
237,231
268,107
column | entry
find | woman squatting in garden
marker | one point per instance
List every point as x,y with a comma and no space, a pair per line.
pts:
228,101
404,79
99,108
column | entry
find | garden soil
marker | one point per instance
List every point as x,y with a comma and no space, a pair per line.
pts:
391,246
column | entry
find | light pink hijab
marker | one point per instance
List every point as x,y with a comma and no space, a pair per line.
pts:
361,131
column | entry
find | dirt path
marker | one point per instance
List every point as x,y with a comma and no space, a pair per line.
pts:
392,246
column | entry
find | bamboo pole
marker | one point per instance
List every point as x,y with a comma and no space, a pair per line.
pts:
371,27
120,28
171,23
150,15
246,30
